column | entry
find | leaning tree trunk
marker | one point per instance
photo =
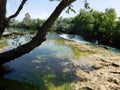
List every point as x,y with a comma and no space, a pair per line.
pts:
3,20
38,39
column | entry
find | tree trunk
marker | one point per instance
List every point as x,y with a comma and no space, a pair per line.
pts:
38,39
3,20
1,30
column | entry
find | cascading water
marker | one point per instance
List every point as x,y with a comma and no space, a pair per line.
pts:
76,38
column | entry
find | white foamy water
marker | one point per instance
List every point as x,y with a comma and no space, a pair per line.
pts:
78,38
73,38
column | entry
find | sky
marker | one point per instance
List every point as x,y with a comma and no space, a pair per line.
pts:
43,8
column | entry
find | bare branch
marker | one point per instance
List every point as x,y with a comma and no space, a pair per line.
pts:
18,11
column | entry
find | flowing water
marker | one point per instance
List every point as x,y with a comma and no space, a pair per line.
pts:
47,67
78,38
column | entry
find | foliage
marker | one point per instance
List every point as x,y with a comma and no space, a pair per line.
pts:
95,25
83,23
62,25
91,24
27,22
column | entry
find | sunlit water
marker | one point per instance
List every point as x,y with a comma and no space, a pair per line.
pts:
49,65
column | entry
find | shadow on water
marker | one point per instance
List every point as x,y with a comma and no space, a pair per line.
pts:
9,84
48,67
45,70
43,74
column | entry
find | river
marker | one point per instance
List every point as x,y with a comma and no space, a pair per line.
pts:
47,67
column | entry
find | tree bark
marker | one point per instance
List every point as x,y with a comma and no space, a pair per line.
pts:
38,39
2,16
2,26
3,20
3,8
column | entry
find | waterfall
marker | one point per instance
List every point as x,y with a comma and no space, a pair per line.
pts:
72,37
78,38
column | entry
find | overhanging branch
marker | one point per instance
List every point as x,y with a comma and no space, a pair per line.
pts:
36,40
18,10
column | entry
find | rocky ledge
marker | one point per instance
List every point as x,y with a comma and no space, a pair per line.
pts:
104,68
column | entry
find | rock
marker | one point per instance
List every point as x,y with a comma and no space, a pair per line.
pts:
106,68
85,88
102,87
114,80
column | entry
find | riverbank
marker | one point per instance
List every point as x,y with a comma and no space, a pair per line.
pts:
102,70
87,67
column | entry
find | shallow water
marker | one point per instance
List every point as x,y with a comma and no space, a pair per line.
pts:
49,66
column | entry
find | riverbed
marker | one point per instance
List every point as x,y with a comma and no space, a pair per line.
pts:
62,64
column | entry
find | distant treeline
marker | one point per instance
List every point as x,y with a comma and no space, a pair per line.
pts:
26,23
91,24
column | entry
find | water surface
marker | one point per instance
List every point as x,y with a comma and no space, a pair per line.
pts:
49,66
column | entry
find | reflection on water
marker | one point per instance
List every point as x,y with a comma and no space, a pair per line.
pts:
49,66
18,40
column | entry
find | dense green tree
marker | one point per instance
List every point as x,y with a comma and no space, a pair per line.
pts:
13,22
62,25
83,23
27,23
117,24
104,24
27,20
95,25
